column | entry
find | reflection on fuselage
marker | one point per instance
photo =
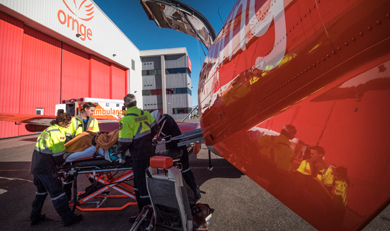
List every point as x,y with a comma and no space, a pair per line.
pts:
331,82
314,156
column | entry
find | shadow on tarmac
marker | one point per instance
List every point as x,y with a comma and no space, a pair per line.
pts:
17,193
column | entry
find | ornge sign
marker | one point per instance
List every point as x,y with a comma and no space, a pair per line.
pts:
83,11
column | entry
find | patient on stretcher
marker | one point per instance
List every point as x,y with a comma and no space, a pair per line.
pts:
89,145
89,153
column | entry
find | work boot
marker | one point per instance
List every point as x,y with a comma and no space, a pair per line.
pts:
76,219
37,218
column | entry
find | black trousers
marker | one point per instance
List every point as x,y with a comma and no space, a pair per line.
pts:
187,173
49,183
141,191
67,186
184,160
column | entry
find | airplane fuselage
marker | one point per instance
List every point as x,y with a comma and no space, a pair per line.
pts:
321,66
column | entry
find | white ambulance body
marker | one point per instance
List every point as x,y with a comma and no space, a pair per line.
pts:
105,108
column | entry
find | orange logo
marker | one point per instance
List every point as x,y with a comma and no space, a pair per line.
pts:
83,11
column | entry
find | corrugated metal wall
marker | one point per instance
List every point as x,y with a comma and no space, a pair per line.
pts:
152,102
175,61
30,73
177,101
75,73
118,78
151,63
151,82
100,81
11,37
40,75
177,81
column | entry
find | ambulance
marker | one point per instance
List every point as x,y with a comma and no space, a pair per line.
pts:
106,109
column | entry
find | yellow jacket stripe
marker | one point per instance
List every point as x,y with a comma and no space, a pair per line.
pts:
136,130
51,141
76,126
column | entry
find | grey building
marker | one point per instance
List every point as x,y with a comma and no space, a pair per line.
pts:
166,81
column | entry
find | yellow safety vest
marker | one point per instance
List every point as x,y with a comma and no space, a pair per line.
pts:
49,150
76,126
326,175
52,140
136,130
304,168
340,188
278,150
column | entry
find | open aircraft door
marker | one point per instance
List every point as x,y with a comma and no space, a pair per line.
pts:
178,16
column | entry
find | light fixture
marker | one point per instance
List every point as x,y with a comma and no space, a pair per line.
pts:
114,55
78,35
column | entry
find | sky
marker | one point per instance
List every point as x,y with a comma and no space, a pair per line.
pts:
131,19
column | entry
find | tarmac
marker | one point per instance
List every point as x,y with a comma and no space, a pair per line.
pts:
239,203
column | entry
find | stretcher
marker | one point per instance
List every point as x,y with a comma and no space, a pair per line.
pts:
111,180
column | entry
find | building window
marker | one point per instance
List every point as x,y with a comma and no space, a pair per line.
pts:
39,111
169,91
182,110
133,64
177,71
151,72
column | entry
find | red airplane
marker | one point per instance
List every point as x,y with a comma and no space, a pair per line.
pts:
294,93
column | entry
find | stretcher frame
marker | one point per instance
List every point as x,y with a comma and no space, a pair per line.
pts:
105,177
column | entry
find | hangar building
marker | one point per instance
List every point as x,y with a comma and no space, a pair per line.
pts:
58,50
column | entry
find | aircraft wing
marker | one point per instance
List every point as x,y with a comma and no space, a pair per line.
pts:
178,16
36,123
42,120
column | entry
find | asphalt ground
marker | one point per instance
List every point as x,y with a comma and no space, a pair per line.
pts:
239,203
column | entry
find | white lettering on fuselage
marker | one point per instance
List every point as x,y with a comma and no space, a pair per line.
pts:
258,25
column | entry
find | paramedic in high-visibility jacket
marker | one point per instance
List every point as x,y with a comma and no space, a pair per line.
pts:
48,155
136,131
79,124
84,121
